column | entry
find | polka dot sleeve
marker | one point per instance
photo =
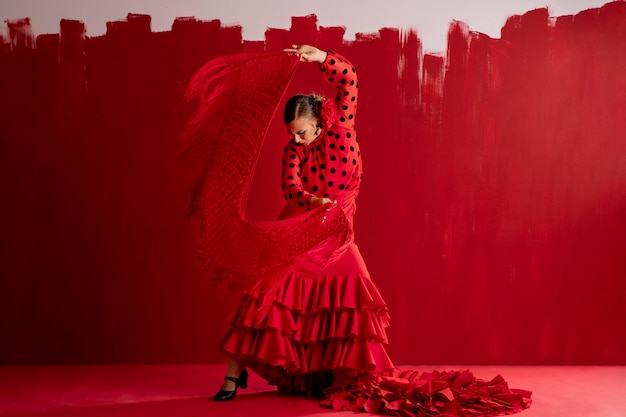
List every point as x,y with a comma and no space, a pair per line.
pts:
340,73
292,184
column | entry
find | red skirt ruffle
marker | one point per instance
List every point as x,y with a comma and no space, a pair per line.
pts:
321,319
408,393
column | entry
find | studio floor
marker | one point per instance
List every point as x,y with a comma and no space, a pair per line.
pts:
184,391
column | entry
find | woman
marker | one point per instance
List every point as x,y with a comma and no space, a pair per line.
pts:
310,320
322,318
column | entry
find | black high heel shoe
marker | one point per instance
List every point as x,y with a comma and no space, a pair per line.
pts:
242,382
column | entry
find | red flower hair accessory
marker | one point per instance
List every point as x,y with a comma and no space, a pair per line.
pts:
328,113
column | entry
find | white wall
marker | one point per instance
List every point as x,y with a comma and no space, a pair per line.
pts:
429,17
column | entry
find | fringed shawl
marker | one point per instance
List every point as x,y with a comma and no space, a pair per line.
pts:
237,97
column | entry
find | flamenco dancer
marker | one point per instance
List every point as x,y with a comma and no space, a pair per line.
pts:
310,319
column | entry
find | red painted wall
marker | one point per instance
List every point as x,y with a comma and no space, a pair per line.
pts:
492,215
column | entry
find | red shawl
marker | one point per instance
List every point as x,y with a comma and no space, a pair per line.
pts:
237,97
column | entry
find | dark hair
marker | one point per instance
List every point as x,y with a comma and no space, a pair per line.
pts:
302,105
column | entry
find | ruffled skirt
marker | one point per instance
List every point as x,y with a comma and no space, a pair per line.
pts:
322,332
320,320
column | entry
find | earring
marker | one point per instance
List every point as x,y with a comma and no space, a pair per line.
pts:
317,131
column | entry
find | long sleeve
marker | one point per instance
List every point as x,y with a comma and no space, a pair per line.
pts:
292,182
341,74
342,143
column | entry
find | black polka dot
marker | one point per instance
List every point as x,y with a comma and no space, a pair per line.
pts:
344,173
290,195
333,62
332,146
354,162
305,179
343,119
341,147
353,98
343,107
323,166
330,133
283,185
292,156
282,174
300,204
337,136
330,183
346,93
351,116
342,81
315,188
352,82
333,157
345,160
321,177
313,169
292,165
290,177
352,148
341,186
334,72
348,135
326,195
353,70
332,170
345,71
331,79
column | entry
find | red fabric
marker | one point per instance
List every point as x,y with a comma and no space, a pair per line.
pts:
321,318
408,393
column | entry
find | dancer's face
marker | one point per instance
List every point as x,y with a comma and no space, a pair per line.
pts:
304,130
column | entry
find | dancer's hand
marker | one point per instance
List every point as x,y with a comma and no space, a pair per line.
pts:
317,201
307,53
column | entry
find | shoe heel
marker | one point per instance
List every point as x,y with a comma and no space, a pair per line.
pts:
244,379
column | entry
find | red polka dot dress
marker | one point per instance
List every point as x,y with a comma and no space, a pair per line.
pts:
331,165
323,320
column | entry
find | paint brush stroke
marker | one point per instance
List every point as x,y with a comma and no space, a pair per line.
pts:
491,215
